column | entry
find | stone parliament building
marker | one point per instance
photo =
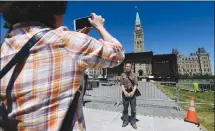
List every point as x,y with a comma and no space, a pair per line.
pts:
195,64
145,64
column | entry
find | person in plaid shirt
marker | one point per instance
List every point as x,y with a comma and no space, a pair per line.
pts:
54,70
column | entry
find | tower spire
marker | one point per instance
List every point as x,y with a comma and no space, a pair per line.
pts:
137,22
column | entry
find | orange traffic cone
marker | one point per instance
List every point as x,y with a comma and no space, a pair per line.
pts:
191,113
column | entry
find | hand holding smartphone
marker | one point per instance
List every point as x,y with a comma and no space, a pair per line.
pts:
89,21
81,23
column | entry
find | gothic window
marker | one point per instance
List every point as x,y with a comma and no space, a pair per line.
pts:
138,43
140,73
208,69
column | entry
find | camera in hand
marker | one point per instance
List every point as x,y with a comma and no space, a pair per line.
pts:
80,23
129,90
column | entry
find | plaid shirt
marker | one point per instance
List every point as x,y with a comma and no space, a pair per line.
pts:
52,74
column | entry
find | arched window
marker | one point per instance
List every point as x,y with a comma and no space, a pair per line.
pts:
140,73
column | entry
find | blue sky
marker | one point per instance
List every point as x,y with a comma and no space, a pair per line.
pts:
182,25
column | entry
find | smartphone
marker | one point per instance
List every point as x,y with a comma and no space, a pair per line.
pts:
80,23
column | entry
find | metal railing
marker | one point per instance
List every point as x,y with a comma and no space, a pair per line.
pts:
103,91
162,94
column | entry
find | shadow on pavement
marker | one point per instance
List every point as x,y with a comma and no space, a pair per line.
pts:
130,119
87,101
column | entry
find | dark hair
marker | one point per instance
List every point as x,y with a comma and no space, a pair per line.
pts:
129,64
33,11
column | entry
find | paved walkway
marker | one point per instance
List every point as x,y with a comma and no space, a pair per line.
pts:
154,109
100,120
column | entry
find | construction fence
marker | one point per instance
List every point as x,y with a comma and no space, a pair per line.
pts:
161,94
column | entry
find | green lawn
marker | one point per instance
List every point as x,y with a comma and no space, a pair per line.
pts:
186,86
205,112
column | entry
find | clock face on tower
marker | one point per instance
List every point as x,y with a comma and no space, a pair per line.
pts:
138,28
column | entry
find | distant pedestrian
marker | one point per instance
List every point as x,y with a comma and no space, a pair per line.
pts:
129,85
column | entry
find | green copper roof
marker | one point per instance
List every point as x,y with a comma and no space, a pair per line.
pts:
137,22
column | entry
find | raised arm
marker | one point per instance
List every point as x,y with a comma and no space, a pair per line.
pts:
105,53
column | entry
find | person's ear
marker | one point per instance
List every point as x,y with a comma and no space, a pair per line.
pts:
59,19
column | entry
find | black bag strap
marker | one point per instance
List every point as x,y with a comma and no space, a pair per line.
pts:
130,79
132,82
67,122
70,114
22,52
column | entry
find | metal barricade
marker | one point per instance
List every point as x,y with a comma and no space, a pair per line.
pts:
103,91
162,94
156,94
